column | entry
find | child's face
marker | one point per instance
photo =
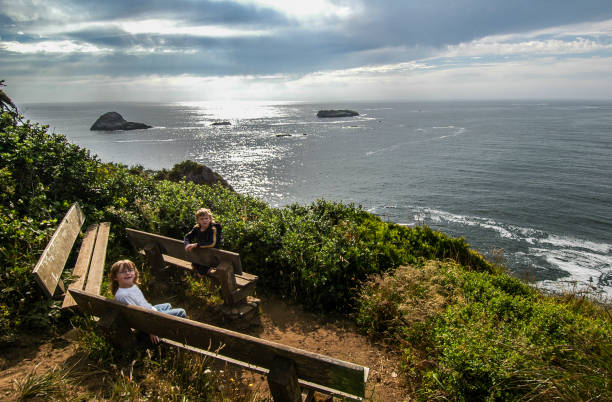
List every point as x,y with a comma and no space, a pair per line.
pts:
125,277
204,221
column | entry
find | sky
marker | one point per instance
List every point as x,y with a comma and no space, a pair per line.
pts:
305,50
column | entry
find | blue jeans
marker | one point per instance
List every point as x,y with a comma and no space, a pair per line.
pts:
166,308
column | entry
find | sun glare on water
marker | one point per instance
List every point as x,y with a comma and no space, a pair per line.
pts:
237,110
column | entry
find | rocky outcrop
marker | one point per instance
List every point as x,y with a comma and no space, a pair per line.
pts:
194,172
112,121
337,113
221,123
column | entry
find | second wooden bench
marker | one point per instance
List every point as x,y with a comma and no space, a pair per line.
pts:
236,285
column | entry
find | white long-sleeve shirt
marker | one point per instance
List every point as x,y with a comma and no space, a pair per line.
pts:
132,295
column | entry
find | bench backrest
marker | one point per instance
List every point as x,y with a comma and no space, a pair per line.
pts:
312,367
50,265
210,257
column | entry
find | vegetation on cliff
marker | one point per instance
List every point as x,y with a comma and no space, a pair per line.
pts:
466,330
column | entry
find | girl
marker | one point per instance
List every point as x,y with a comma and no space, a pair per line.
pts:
206,234
124,279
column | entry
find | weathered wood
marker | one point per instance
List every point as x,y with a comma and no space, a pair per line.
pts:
309,396
234,287
96,268
224,273
82,264
50,265
305,385
310,367
244,279
117,330
283,381
154,256
210,257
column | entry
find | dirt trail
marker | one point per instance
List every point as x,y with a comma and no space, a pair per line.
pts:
336,337
280,322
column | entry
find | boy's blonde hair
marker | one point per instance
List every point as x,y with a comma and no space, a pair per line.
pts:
202,212
118,267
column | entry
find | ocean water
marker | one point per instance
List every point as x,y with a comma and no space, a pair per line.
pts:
530,178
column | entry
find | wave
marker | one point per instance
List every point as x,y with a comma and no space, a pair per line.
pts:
532,236
588,263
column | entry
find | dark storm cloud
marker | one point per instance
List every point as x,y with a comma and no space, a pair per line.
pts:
383,31
188,11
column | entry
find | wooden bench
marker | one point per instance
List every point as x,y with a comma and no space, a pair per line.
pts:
160,251
288,369
89,267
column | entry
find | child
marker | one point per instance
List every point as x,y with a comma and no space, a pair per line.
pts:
206,234
124,279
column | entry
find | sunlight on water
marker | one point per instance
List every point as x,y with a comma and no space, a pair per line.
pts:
236,110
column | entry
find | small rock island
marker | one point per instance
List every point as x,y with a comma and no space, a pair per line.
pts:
337,113
112,121
221,123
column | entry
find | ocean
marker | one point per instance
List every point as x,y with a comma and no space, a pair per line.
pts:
529,180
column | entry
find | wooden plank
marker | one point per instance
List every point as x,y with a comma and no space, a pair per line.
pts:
246,276
178,262
241,280
96,269
210,257
82,264
264,371
311,367
50,265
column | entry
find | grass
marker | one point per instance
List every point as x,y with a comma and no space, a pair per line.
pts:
51,384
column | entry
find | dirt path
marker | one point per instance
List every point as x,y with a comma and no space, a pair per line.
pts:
336,337
280,322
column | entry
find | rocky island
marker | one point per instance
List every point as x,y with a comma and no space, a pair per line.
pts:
112,121
337,113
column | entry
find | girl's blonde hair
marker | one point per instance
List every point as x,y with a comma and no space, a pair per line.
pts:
202,212
118,267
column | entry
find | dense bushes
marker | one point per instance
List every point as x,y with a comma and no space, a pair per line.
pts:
475,336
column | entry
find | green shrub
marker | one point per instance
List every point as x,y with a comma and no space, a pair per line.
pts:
469,335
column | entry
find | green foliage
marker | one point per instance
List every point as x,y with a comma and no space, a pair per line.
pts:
478,336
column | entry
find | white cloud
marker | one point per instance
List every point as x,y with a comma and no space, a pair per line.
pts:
304,9
488,46
48,46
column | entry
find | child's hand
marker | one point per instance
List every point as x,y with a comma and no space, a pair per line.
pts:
154,339
190,247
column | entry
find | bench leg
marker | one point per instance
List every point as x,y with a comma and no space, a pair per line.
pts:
117,330
283,381
158,266
224,273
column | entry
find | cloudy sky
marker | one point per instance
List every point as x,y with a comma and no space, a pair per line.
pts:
315,50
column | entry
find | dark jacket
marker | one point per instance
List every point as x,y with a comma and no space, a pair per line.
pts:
205,238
